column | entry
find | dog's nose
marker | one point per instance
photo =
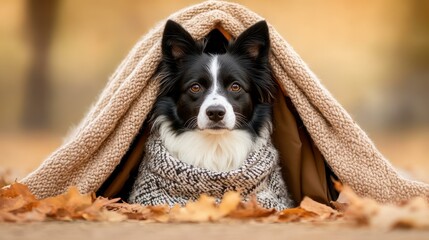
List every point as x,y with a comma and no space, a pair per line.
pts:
215,113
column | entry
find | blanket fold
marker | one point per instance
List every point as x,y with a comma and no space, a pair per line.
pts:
95,149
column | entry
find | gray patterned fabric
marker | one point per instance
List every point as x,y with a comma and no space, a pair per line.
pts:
163,179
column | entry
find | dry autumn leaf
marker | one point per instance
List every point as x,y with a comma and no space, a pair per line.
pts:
250,210
295,215
97,211
323,211
17,204
204,209
65,206
365,211
309,210
229,203
139,212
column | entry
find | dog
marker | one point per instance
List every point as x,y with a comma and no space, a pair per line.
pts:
214,107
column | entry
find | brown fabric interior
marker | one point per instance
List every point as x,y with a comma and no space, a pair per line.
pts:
304,169
120,181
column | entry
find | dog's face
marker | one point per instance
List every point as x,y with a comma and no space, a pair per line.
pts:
214,92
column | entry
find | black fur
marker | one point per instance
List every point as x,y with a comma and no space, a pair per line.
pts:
243,61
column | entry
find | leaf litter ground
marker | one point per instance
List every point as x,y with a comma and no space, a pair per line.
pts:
18,204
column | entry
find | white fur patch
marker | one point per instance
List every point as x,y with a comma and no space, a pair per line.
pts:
215,99
220,150
214,70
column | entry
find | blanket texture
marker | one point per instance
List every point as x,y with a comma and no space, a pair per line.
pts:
91,153
163,179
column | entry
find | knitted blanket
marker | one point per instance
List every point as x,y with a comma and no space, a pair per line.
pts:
90,154
163,179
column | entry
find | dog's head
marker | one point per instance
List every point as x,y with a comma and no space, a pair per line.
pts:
213,92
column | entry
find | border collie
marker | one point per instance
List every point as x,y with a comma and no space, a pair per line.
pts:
214,107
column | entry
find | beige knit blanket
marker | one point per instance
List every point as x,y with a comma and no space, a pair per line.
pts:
91,153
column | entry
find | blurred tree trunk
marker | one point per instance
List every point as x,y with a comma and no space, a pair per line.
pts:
412,88
41,16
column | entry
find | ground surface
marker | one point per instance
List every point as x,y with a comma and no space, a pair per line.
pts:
138,230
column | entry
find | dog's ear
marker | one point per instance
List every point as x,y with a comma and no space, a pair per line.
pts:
254,42
177,42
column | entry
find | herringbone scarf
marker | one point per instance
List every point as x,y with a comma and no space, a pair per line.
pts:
163,179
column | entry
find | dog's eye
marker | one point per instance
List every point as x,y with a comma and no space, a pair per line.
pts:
195,88
235,87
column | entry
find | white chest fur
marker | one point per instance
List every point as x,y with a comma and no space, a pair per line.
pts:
220,151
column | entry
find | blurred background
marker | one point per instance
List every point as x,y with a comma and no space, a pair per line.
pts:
56,57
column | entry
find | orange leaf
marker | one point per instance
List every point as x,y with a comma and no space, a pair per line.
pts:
96,211
17,189
139,212
251,209
10,204
322,210
202,210
229,203
16,197
65,206
295,214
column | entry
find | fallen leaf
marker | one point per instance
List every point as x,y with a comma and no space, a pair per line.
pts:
16,197
17,204
250,210
10,204
229,203
365,211
140,212
96,211
295,214
323,211
339,206
205,209
202,210
66,206
17,189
